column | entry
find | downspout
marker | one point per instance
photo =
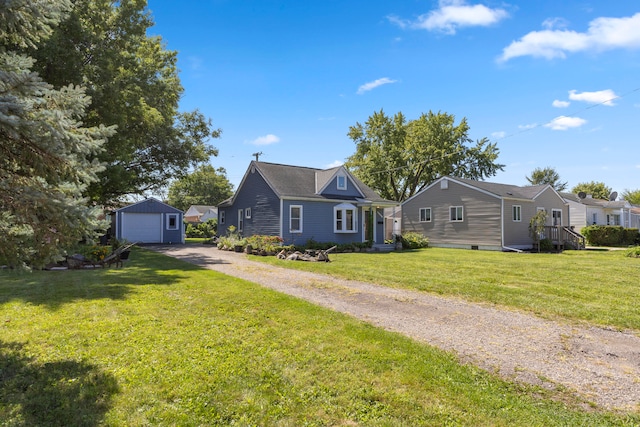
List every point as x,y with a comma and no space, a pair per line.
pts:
502,223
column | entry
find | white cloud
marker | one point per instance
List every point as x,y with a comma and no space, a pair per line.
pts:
499,134
334,164
453,14
374,84
565,123
604,97
527,127
266,140
560,104
603,34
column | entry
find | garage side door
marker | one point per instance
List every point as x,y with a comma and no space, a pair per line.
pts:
142,227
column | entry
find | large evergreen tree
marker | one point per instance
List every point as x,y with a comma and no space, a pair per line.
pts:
45,149
133,84
398,158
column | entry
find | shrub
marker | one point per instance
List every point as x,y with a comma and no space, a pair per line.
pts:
611,235
203,229
413,240
546,245
633,252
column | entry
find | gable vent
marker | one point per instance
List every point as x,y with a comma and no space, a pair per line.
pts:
444,184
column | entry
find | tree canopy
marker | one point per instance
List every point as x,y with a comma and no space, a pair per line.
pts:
547,175
632,196
133,84
597,189
398,158
47,155
205,186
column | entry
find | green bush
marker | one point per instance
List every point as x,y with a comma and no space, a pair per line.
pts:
204,229
413,240
546,245
611,235
633,252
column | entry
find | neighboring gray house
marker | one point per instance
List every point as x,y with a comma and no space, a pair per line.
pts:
585,210
299,203
148,221
464,213
200,213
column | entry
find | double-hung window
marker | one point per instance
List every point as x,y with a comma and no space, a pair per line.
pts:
295,219
345,218
222,217
517,213
425,214
456,214
240,220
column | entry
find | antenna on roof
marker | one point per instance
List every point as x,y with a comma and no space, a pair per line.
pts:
613,196
258,154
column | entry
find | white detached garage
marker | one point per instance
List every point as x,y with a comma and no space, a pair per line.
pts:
148,221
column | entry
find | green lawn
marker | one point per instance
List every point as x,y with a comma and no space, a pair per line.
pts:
600,287
162,342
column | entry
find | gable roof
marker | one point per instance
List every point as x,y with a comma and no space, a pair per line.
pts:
502,191
505,190
167,208
201,209
299,182
590,201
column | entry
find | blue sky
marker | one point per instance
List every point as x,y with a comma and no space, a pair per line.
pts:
554,83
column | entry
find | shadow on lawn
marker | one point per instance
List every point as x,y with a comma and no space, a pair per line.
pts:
55,288
60,393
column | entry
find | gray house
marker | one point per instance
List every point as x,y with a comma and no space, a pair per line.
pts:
464,213
148,221
299,203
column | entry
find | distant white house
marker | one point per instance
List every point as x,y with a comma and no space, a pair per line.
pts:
200,213
584,210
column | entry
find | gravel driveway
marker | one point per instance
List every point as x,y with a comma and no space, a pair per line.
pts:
601,365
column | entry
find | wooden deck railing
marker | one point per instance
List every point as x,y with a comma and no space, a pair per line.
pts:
561,237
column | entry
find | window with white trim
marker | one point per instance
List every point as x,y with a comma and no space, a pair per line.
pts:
556,215
240,220
247,213
345,219
425,214
295,219
172,221
342,182
456,213
517,213
222,217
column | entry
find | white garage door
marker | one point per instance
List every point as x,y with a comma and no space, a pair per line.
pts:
142,227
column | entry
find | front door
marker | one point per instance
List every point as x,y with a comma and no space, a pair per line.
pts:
368,224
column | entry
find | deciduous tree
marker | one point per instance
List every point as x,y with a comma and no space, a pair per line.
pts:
205,186
547,175
398,158
597,189
133,84
632,196
45,150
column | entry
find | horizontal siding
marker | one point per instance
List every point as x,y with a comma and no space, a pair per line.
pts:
317,224
256,194
481,225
